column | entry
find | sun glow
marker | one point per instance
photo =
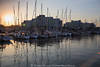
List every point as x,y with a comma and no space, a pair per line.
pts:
9,19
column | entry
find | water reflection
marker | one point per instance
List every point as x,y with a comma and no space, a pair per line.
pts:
60,51
3,45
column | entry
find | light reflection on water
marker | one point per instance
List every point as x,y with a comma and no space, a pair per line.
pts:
62,51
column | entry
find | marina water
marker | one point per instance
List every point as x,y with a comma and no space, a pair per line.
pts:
75,52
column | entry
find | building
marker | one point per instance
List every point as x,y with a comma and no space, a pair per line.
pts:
78,25
42,23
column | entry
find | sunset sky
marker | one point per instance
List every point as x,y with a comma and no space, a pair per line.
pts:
81,9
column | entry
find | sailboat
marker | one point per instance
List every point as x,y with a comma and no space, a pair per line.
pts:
4,38
34,35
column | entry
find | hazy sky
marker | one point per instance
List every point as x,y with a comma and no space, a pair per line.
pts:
81,9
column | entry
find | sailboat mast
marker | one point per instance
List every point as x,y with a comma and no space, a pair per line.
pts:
41,8
21,17
35,8
47,11
66,14
14,15
27,10
70,16
18,10
62,15
57,14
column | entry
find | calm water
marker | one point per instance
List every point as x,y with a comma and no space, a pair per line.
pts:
72,52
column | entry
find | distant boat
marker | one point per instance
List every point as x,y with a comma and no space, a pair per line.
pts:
4,38
65,34
43,36
26,37
21,36
34,36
